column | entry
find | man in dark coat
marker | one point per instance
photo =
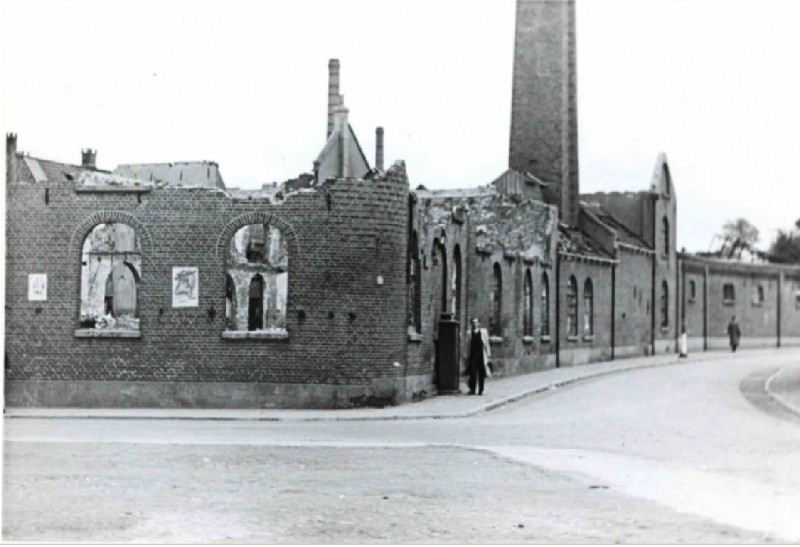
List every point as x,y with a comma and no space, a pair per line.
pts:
734,333
480,357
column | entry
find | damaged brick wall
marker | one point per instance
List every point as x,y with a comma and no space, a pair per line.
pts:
488,229
441,226
346,309
518,236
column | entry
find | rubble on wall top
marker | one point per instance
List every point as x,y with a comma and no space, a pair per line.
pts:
480,191
184,173
573,240
97,178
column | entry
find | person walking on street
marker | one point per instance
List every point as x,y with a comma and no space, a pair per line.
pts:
479,359
734,333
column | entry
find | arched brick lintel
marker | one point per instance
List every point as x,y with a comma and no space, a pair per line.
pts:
104,217
257,217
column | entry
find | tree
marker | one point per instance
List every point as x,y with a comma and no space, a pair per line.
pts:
786,247
738,235
741,230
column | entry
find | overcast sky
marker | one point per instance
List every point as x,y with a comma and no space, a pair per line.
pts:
714,84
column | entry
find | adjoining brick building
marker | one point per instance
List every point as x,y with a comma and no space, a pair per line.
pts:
155,285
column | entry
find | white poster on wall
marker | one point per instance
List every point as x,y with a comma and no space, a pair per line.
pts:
37,287
185,287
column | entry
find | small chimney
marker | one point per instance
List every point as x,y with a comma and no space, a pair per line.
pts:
379,148
340,121
89,158
334,99
11,157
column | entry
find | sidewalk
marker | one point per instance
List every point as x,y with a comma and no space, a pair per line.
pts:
499,392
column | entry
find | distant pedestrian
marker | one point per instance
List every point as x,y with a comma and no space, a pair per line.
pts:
479,359
734,333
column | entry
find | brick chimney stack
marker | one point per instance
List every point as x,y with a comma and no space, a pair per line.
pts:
334,99
340,122
379,148
11,157
89,158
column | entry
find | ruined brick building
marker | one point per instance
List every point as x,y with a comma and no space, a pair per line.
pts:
344,287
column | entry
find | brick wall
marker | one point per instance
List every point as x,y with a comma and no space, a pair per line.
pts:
345,329
583,348
757,319
632,322
543,137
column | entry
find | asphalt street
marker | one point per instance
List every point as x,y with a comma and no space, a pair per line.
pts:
699,440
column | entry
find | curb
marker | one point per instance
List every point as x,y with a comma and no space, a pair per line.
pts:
777,398
493,405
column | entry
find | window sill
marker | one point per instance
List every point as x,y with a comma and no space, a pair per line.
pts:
728,302
691,300
588,337
495,340
572,338
276,334
545,339
664,329
527,339
757,304
414,337
107,333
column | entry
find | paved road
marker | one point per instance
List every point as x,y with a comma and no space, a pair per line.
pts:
699,440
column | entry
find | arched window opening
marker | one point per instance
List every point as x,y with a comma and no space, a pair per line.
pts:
588,308
664,304
665,235
572,307
111,262
455,307
495,323
545,307
527,305
258,274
